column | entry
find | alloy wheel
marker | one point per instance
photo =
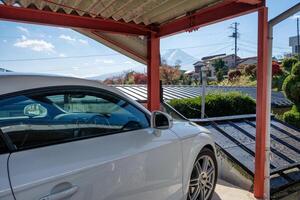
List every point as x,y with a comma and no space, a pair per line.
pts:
202,179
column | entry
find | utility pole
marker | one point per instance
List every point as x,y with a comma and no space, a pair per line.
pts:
235,35
204,71
298,38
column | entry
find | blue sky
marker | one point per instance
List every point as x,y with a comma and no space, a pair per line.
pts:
25,41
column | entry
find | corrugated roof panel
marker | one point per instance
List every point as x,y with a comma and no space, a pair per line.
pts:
135,11
179,10
179,92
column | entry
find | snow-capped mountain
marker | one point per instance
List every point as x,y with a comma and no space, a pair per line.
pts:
178,56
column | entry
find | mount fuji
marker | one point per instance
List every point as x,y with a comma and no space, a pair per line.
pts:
178,56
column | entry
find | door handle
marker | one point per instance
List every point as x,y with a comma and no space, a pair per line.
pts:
61,195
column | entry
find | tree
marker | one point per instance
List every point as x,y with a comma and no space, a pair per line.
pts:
220,76
140,78
177,64
219,65
169,75
276,69
220,68
250,70
234,74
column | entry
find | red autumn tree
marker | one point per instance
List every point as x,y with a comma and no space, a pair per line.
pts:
276,69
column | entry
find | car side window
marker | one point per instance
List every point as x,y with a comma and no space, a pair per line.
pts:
50,118
3,148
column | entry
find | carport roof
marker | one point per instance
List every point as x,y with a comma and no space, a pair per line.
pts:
130,11
122,24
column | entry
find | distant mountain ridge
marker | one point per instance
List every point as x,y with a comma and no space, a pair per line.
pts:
171,57
4,70
114,74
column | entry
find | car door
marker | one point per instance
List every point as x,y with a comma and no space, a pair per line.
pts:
5,190
88,144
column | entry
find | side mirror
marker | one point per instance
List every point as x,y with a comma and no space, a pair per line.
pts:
161,120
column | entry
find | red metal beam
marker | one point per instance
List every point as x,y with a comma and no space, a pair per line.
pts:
153,73
28,15
261,103
220,12
250,1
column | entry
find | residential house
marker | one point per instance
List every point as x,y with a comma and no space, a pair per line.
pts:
246,61
209,60
293,42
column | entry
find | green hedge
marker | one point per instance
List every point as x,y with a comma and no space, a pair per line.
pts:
292,117
216,105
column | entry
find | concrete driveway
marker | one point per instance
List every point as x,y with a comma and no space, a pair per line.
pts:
227,191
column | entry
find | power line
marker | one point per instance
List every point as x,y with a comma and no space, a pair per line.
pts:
96,55
57,57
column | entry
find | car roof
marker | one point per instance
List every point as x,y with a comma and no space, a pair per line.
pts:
11,82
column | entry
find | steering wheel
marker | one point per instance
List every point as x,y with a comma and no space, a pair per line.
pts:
98,119
131,125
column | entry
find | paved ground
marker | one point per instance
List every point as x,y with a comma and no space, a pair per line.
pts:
226,191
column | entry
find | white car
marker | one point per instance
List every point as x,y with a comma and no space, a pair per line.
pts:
66,138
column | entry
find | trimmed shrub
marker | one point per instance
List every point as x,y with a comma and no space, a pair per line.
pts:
291,84
277,81
288,63
216,105
296,69
291,87
292,117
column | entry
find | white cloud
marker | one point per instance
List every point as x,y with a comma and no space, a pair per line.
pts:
62,55
105,61
83,41
75,68
128,62
108,61
23,29
35,45
4,41
73,39
67,37
295,16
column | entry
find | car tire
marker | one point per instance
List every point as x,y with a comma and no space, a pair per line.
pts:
203,177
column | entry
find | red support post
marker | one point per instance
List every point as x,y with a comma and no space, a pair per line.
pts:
153,72
261,103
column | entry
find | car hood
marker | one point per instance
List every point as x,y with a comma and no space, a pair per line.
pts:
187,129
